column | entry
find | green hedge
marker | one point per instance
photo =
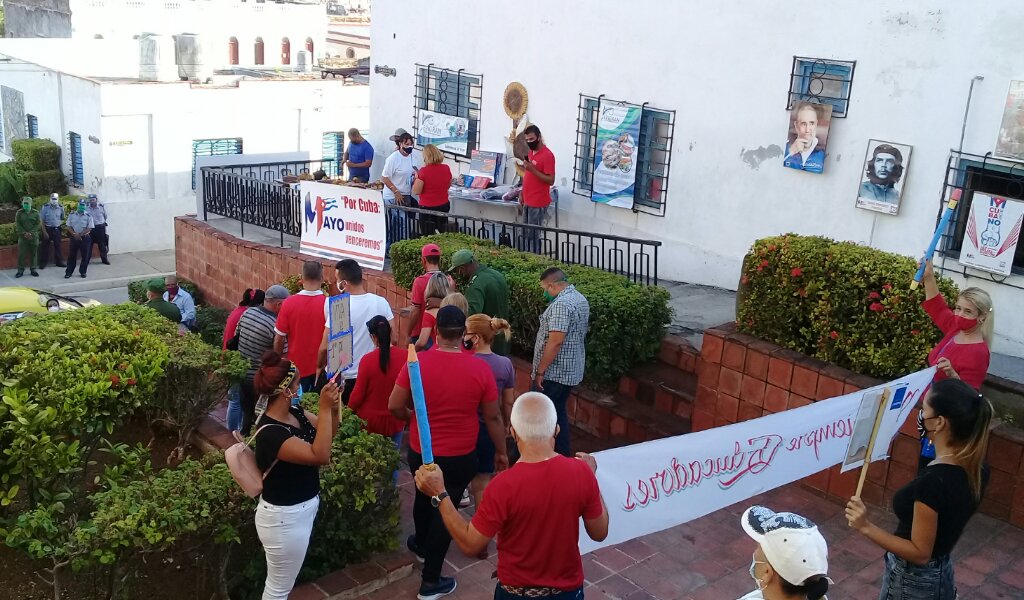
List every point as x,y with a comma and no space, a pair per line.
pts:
44,183
12,183
8,236
843,303
627,320
36,154
137,291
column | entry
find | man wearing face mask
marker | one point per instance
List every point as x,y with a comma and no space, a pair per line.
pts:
98,212
560,353
487,292
538,177
29,227
53,217
537,530
80,226
363,306
791,560
399,170
183,300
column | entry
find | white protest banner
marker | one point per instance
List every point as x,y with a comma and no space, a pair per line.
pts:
662,483
993,230
343,222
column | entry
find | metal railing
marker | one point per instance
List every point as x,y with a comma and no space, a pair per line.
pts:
246,194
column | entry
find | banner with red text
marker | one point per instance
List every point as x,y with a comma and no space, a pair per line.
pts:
343,222
663,483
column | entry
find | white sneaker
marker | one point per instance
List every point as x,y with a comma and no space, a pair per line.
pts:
466,500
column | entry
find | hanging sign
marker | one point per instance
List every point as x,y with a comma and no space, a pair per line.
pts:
993,229
448,133
616,156
343,222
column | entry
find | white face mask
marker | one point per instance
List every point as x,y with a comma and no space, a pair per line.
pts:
753,567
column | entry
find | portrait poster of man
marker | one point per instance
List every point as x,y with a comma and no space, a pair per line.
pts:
1010,143
808,137
884,177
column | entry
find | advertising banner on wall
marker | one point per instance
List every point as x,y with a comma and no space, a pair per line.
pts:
663,483
448,133
993,229
616,156
343,222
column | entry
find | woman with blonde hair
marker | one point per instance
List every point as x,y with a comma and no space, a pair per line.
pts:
934,508
456,299
431,187
480,333
438,286
963,353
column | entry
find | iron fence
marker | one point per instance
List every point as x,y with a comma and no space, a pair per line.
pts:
246,194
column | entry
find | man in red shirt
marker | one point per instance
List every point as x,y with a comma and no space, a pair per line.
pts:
533,508
456,385
430,258
300,324
538,177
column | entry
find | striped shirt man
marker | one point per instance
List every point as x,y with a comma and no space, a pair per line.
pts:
255,336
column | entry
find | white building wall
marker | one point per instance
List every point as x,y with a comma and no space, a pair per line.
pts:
725,70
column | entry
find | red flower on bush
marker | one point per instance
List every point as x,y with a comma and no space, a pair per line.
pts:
772,247
802,292
874,295
877,306
744,280
796,272
834,334
915,332
115,380
132,381
886,286
764,263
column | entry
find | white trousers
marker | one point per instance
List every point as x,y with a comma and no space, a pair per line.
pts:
284,532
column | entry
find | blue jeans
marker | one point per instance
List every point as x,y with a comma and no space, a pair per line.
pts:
501,594
905,581
559,394
235,408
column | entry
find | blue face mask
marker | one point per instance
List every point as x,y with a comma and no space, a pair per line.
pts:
297,397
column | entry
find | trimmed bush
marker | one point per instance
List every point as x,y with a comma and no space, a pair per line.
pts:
36,154
293,283
211,320
137,292
627,320
12,183
843,303
8,235
44,183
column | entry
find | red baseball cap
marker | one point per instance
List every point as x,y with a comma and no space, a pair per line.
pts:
431,250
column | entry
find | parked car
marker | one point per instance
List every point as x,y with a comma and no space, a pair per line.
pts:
17,302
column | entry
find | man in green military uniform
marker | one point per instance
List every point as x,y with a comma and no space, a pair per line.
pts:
155,293
487,292
29,227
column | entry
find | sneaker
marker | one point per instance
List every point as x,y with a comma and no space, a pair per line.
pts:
466,500
83,275
35,273
443,587
413,547
19,274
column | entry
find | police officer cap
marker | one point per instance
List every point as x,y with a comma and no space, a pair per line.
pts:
155,285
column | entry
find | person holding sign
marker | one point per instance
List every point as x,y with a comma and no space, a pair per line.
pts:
455,386
534,509
963,353
791,560
934,508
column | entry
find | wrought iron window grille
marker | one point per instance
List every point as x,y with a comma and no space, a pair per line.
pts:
821,81
213,147
453,93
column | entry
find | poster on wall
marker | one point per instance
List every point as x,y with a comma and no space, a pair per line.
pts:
808,137
1010,143
448,133
885,173
993,229
343,222
615,162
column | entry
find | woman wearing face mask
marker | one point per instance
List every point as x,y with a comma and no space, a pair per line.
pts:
934,508
963,352
291,445
791,559
480,332
437,287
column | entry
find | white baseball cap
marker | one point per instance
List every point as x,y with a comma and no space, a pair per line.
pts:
792,543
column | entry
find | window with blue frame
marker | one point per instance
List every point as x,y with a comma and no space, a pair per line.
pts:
653,157
822,81
213,147
75,152
333,150
33,126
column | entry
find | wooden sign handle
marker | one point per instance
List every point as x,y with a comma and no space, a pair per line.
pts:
886,393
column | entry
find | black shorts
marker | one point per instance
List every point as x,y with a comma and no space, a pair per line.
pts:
484,451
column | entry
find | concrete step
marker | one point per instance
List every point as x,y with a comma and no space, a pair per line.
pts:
661,387
619,417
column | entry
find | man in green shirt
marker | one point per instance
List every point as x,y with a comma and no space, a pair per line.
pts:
155,292
29,227
487,292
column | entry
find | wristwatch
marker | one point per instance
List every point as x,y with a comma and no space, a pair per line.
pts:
435,501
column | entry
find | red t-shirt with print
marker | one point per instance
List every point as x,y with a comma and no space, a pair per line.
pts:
455,385
534,509
536,193
302,320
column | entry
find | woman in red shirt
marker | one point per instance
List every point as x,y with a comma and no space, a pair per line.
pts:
431,187
963,352
378,371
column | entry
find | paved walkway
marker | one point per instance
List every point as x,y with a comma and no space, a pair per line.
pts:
123,268
707,559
